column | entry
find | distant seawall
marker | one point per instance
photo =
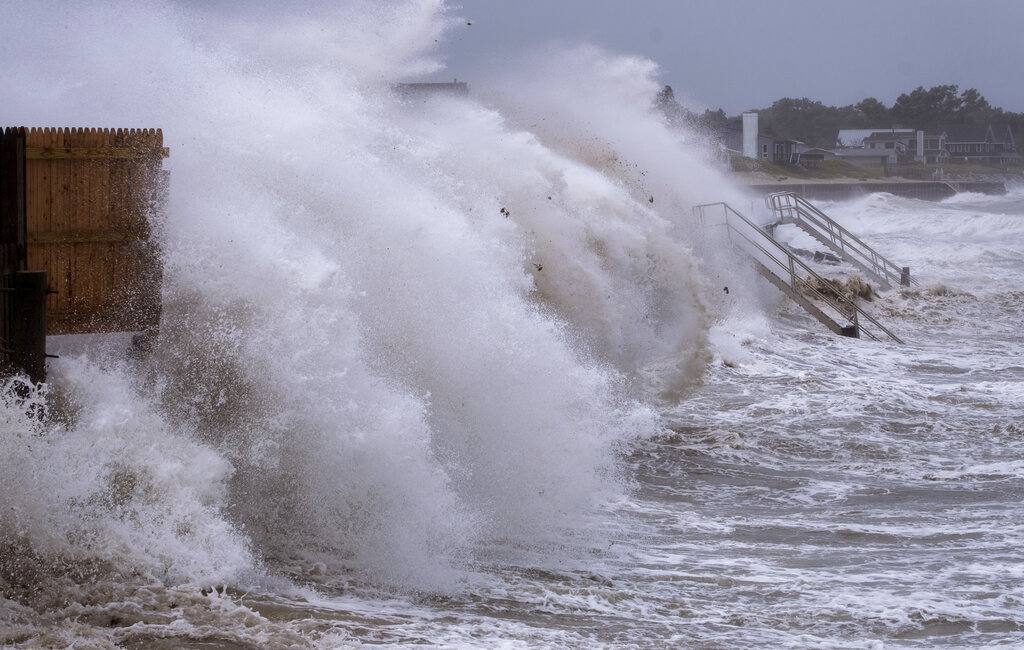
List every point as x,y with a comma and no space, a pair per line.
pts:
927,191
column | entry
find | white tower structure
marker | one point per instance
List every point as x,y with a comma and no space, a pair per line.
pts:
750,135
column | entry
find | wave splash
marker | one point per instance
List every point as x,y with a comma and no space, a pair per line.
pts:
392,335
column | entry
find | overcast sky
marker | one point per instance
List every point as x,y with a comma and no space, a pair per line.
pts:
745,54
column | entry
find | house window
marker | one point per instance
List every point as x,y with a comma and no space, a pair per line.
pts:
764,151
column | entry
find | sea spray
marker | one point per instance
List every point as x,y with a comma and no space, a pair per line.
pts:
630,181
401,334
367,379
117,492
603,261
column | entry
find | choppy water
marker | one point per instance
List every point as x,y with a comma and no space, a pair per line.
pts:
462,374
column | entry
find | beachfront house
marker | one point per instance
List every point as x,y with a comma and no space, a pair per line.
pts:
891,146
873,147
919,146
981,143
932,147
787,152
851,138
731,137
897,141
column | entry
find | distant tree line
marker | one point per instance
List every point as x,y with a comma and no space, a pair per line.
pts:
816,124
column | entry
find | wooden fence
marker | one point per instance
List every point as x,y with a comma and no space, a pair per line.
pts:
82,205
92,197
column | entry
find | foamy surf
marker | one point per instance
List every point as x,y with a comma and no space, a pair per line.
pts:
463,373
390,333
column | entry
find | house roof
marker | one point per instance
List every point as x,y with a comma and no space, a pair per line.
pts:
889,136
855,137
1002,133
966,132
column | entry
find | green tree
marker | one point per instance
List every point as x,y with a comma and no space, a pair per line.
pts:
872,113
974,109
927,109
806,120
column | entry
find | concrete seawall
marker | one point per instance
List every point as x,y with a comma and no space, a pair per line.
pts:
927,191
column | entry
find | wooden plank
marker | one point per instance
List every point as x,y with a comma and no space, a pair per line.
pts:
123,206
83,236
57,199
95,153
61,190
92,215
81,278
118,205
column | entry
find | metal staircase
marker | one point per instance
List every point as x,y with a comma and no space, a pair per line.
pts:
791,208
793,277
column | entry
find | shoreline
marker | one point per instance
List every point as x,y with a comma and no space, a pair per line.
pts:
766,178
847,187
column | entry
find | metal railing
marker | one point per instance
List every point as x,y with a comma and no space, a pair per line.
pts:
773,256
791,208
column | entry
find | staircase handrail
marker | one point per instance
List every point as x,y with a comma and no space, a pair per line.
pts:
850,310
840,237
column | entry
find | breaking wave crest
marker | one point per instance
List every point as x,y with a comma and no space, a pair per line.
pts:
392,333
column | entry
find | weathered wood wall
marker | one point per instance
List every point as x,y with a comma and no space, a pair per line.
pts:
93,197
12,231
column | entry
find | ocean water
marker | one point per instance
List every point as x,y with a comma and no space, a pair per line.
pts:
462,373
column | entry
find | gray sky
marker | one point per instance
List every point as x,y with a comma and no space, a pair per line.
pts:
744,54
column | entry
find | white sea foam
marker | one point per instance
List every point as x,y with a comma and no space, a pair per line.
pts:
395,331
410,349
116,489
